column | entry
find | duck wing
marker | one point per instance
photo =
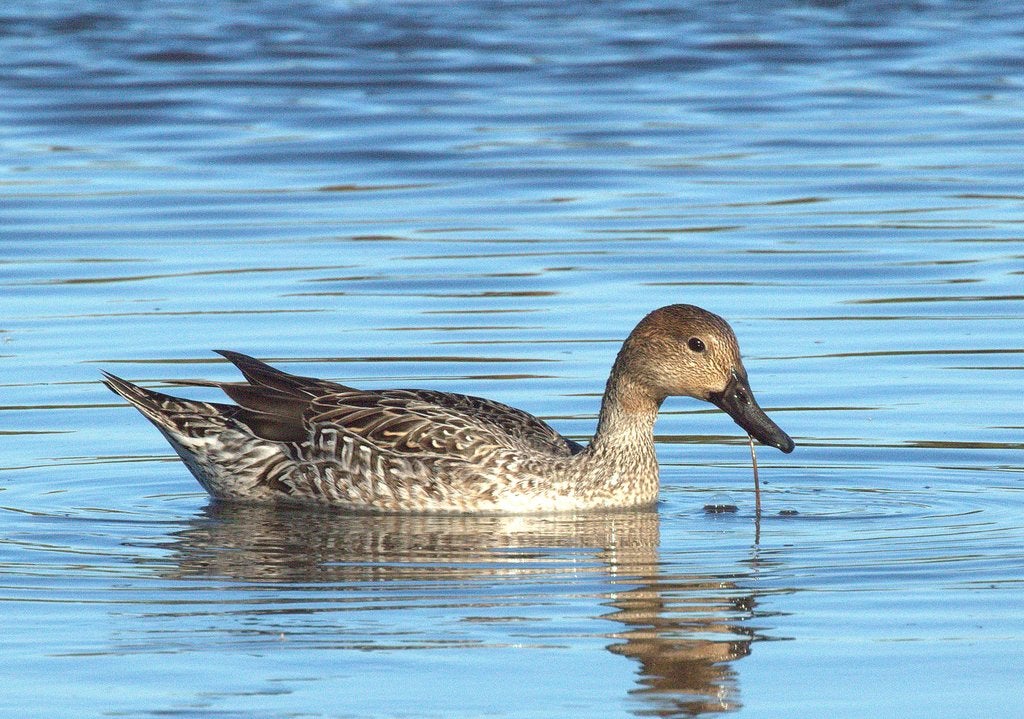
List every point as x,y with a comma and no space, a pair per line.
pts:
411,422
284,407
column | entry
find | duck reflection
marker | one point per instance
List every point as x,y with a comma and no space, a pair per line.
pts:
684,631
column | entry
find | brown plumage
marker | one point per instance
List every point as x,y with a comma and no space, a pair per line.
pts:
292,438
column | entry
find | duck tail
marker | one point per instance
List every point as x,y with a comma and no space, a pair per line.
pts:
178,416
228,460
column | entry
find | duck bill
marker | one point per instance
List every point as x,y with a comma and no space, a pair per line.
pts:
738,401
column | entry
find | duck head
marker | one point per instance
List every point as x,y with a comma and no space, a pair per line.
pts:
683,350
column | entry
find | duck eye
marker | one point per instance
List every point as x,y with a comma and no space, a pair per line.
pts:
696,344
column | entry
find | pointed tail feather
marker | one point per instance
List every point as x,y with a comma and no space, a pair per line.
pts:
267,414
228,460
137,396
174,414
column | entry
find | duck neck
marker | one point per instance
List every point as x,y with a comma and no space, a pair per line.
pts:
627,417
619,467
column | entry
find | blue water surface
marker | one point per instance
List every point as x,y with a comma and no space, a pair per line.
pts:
485,197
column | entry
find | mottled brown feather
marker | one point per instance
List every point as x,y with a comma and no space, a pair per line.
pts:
299,438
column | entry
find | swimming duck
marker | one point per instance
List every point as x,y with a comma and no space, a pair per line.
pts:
300,439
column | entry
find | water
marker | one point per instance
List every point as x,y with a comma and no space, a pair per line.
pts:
485,198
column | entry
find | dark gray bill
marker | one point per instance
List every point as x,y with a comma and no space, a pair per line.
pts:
738,401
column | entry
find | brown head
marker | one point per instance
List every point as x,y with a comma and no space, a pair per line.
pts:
683,350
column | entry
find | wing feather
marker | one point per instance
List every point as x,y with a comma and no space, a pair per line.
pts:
411,421
291,408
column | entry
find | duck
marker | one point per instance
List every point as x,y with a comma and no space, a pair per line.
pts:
294,439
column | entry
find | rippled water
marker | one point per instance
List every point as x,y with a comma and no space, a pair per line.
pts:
486,197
